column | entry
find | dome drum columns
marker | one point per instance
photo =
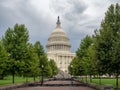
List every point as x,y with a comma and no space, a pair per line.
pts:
58,47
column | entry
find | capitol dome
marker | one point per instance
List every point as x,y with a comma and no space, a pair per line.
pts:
58,48
58,40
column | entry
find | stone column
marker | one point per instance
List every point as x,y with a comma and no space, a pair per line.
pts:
65,61
60,61
51,48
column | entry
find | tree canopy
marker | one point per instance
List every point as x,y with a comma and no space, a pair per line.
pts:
100,53
3,60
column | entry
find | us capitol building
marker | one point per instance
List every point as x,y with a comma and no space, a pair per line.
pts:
58,48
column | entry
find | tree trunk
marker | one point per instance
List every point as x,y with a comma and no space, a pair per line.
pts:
1,76
90,78
82,78
116,82
26,79
86,79
34,77
13,76
94,76
99,79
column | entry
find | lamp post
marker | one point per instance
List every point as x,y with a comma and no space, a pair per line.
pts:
42,75
71,74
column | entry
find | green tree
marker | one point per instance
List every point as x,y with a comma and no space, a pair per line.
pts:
39,49
82,54
31,63
116,58
35,70
15,41
76,67
44,66
85,43
3,61
53,67
91,62
107,41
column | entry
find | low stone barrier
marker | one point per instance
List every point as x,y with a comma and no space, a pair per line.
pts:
91,85
15,86
99,87
79,83
12,87
108,87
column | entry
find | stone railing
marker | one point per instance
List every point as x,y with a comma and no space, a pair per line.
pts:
11,87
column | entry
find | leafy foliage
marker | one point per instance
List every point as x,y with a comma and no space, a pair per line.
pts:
3,61
53,67
107,43
21,57
15,42
76,67
43,61
80,64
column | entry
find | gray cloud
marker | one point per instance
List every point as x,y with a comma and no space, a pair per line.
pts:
78,17
115,1
76,10
78,24
69,9
23,12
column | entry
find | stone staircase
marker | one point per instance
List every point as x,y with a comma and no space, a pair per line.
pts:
62,74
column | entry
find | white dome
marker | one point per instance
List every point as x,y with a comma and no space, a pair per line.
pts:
58,40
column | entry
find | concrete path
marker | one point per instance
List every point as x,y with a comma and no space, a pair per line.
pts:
55,87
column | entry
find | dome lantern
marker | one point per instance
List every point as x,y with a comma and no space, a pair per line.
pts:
58,23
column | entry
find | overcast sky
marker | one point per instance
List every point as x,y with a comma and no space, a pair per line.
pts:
78,17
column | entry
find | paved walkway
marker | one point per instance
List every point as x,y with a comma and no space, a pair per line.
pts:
55,87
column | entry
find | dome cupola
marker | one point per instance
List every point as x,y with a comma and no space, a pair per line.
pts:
58,40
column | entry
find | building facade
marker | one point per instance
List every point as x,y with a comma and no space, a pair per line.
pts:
58,48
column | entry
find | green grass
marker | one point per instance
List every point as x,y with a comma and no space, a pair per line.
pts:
8,80
105,81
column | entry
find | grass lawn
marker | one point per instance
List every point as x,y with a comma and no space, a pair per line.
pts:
8,80
104,81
